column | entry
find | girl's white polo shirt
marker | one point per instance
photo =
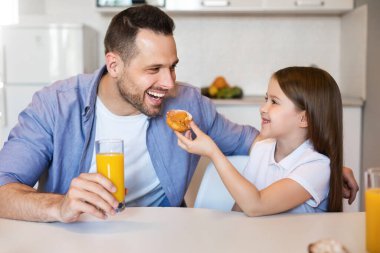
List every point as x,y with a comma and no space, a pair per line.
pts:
304,165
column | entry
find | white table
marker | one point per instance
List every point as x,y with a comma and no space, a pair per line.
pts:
184,230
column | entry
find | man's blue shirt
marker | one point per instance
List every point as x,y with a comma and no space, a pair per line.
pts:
53,141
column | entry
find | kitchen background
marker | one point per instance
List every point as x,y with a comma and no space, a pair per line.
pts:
244,47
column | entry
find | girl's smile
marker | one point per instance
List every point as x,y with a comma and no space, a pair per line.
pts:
281,119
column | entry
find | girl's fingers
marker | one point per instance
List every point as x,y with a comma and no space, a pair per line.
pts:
182,145
188,135
195,128
182,138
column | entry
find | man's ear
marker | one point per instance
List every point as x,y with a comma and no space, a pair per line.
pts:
114,64
303,120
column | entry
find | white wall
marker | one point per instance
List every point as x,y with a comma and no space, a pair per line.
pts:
246,49
353,50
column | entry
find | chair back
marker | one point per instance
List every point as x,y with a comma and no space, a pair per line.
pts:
212,193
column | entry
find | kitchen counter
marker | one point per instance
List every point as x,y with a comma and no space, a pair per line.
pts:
258,100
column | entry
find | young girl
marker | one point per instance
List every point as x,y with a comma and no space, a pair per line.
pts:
298,166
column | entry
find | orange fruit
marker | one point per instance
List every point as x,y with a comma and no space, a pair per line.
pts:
220,83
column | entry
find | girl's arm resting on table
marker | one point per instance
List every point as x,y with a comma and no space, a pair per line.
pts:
276,198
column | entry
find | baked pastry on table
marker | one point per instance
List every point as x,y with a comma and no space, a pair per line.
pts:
327,246
179,120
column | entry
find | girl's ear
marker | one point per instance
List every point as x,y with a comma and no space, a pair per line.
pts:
303,120
114,64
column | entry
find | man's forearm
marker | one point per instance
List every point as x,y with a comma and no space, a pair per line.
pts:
21,202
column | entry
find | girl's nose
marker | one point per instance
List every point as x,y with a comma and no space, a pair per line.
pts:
263,108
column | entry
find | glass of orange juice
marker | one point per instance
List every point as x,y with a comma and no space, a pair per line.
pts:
110,163
372,209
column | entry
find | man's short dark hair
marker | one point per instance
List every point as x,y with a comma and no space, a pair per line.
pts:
123,29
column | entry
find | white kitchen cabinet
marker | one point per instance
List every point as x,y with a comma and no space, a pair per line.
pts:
237,6
126,3
114,6
308,5
212,5
225,6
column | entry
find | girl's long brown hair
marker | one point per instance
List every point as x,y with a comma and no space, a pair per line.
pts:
316,92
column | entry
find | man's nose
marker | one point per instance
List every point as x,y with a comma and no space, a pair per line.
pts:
168,79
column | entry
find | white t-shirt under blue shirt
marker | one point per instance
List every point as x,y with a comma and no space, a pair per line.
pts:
304,165
144,188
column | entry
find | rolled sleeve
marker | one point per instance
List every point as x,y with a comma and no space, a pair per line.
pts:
7,178
27,153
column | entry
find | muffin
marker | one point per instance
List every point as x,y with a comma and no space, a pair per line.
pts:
179,120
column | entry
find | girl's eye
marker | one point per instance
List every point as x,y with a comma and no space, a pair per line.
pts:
272,101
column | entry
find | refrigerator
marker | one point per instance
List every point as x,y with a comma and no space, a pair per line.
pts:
33,56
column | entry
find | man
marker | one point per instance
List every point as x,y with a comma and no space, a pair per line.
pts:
126,99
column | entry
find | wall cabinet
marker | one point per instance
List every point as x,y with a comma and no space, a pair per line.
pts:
308,5
236,6
314,6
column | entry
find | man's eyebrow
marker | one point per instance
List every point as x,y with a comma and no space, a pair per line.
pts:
156,65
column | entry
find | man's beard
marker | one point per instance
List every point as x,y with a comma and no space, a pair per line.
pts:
137,101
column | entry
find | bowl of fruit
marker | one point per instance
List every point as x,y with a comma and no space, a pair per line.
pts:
221,89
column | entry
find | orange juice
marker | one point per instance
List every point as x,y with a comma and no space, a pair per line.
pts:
372,207
111,165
